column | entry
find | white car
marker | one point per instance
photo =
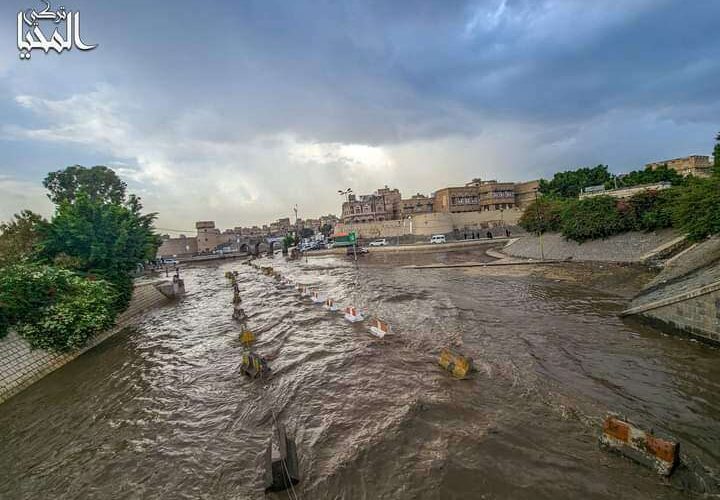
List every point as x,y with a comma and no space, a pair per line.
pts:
438,238
379,243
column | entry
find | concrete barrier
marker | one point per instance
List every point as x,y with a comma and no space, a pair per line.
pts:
379,328
459,366
662,455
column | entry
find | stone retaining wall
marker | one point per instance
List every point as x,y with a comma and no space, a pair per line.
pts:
626,247
686,294
21,367
699,316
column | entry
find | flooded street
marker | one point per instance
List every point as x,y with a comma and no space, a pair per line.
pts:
161,411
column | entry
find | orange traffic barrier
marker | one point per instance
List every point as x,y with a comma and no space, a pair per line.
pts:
641,446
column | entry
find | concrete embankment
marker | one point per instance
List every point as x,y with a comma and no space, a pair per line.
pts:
21,366
686,294
627,247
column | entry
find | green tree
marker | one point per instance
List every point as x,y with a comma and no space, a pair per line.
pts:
19,237
569,184
716,155
697,208
53,308
102,239
593,218
326,230
543,215
648,176
652,210
99,183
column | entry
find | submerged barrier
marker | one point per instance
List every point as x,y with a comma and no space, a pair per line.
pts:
247,338
353,315
662,455
460,366
253,365
379,328
618,435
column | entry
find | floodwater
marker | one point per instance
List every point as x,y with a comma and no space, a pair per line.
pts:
161,412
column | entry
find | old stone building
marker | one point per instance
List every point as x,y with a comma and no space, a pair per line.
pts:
526,192
475,196
382,205
696,165
416,204
281,227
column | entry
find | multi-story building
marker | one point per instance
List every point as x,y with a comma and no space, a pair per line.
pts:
457,199
526,193
382,205
329,220
313,224
496,195
475,196
416,204
280,227
391,199
696,165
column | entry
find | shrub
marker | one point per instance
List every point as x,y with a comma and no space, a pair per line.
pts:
696,210
653,209
593,218
54,308
543,215
94,238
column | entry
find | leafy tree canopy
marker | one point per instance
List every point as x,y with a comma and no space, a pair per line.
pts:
19,237
53,308
103,239
569,184
648,176
697,208
99,183
326,229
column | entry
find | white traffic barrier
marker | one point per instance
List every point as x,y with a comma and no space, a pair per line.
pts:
330,305
318,298
305,292
353,315
379,328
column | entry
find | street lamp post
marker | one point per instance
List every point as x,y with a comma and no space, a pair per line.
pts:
346,193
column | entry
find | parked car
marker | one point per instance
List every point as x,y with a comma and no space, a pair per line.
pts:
379,243
170,262
438,238
356,250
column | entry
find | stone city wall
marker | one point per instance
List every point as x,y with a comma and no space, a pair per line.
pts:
434,223
21,366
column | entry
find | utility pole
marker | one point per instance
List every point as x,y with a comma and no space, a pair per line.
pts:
540,232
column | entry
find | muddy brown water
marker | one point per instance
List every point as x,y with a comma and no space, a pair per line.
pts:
160,411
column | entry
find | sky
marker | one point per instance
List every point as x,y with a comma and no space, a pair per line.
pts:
235,111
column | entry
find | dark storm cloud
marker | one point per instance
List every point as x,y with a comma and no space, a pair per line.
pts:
508,88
